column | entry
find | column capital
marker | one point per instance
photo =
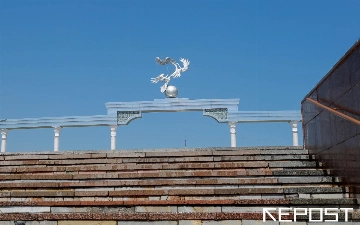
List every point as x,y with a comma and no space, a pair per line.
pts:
232,126
57,131
113,127
4,132
294,124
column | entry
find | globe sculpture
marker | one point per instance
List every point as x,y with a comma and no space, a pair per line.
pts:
171,92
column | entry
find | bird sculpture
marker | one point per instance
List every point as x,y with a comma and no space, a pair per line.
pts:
175,74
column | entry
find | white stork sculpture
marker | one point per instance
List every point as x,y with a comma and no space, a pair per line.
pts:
175,74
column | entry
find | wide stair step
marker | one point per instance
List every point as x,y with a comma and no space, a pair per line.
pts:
186,186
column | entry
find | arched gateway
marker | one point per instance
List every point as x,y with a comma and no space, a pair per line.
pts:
219,109
122,113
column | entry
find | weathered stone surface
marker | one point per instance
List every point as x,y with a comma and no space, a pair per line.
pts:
7,169
203,209
169,159
259,157
28,185
26,157
46,177
237,152
17,222
78,222
10,177
167,209
70,156
241,209
88,161
337,201
179,153
306,180
185,188
337,223
210,222
41,193
297,223
137,192
259,222
5,193
132,216
29,169
147,223
190,222
95,176
240,164
187,165
313,190
298,172
247,191
91,193
68,209
24,209
298,164
328,195
125,154
283,152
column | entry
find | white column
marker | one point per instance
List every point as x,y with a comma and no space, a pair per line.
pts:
113,136
3,139
232,126
295,136
57,138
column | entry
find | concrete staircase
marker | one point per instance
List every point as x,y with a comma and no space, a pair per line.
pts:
168,186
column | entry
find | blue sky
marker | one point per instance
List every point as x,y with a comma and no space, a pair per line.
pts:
68,58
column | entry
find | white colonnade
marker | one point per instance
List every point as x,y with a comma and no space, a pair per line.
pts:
122,113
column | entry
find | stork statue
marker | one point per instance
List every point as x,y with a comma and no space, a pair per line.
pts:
170,91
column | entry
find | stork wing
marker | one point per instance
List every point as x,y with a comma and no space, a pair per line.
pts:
157,79
164,62
186,64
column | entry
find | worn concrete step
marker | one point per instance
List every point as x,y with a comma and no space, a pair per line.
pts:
176,165
147,208
61,170
150,153
167,182
139,173
156,217
163,218
237,202
167,166
147,183
167,192
169,159
14,161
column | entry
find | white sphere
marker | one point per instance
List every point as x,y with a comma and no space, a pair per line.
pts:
171,92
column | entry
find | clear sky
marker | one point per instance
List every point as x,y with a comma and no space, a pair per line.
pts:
68,58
